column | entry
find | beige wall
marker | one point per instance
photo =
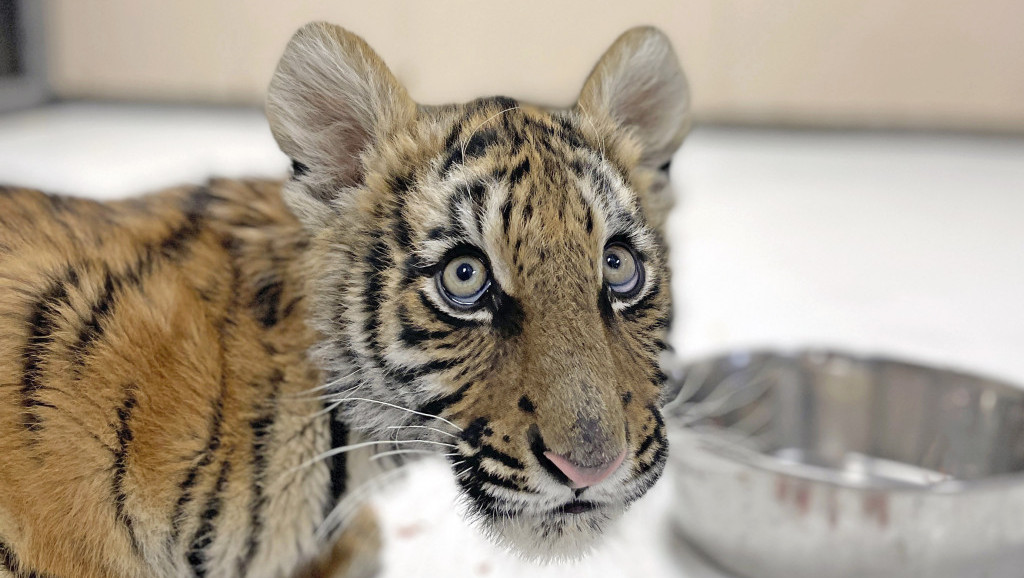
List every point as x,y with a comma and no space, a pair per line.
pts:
931,63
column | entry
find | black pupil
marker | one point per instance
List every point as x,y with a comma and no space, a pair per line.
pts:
464,272
613,260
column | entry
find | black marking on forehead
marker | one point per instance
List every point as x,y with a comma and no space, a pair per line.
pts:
501,102
400,185
518,172
378,260
475,148
478,143
478,196
506,215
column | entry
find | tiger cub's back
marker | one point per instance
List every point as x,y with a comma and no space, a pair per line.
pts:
140,352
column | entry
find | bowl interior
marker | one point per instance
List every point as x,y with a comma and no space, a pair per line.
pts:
866,421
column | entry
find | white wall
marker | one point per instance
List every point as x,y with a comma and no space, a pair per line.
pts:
919,63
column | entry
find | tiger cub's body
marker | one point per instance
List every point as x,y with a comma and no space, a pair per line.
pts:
156,386
197,382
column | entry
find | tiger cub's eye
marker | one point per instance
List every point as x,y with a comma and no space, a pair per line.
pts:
623,272
464,280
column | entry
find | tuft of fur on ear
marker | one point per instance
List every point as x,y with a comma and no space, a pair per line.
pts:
640,85
331,98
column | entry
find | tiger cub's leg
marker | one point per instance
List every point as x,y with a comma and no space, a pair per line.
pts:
356,554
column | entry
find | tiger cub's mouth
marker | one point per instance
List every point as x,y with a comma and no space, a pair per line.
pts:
530,506
575,507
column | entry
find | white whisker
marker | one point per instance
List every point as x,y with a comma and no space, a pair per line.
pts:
412,411
344,449
440,431
376,457
327,385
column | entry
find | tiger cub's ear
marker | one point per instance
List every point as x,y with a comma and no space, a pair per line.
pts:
330,99
639,84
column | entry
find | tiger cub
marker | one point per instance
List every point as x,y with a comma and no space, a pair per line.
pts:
199,382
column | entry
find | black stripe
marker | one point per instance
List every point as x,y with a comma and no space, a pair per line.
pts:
516,483
262,426
266,303
479,143
192,476
400,185
519,171
478,196
414,336
207,531
537,448
339,463
482,502
42,321
213,442
647,442
92,328
506,215
637,310
195,206
378,260
124,440
437,406
444,317
172,247
9,561
489,451
501,102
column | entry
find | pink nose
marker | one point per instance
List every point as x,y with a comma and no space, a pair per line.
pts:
583,477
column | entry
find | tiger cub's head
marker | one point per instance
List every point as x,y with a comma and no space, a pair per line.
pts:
497,265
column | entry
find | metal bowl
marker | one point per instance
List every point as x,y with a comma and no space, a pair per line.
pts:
819,464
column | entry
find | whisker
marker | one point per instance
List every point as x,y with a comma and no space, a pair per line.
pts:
440,431
376,457
344,449
326,385
412,411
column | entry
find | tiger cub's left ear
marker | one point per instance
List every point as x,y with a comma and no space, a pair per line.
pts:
330,100
639,84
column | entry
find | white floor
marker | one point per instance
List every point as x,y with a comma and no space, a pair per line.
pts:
894,244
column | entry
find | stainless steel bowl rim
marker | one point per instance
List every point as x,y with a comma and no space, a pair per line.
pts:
708,436
761,462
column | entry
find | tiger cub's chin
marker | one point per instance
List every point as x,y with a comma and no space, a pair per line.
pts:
553,535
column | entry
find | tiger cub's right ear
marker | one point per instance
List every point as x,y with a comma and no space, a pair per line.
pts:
330,99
